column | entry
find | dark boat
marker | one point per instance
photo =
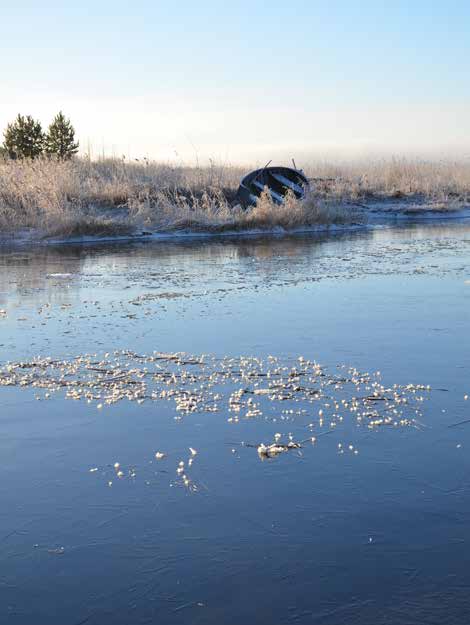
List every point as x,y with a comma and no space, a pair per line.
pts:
278,180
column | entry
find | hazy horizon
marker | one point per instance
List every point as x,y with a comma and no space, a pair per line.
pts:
240,84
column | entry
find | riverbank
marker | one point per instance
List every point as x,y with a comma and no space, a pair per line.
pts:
47,200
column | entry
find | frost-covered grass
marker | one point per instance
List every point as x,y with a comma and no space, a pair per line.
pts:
113,196
397,177
212,212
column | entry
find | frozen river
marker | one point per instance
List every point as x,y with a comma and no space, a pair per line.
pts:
138,381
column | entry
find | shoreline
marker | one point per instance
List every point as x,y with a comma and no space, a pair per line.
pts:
375,216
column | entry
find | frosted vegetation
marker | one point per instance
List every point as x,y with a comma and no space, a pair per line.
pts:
113,196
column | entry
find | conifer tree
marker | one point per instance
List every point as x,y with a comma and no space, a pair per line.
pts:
24,138
60,138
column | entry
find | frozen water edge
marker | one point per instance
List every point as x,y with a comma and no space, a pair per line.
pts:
34,238
375,216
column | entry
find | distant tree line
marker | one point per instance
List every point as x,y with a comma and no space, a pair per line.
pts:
25,138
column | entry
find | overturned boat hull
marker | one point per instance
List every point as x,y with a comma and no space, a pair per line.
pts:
277,180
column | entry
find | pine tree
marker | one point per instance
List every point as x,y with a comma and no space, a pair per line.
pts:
24,138
60,138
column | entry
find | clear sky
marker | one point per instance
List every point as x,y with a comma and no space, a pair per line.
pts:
243,81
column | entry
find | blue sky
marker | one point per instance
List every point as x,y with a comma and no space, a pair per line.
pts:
244,81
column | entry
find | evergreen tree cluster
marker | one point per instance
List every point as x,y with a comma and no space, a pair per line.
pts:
25,138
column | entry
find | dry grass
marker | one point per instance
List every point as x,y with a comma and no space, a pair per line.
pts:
394,178
111,196
213,213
